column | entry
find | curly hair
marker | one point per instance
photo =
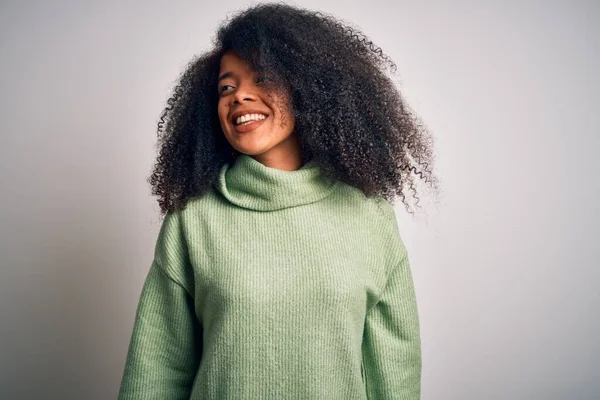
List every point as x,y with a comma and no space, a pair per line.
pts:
349,116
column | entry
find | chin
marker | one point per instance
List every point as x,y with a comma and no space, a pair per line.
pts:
251,151
253,148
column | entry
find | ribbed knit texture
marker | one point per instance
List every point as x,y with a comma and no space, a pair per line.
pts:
277,285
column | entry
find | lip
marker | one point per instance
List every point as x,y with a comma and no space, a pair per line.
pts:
249,127
239,113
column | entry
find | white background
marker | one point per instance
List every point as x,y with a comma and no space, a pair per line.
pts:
506,271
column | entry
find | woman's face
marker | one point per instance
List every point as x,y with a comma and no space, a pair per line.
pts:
266,129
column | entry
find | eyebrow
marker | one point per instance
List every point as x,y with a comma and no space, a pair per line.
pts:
225,75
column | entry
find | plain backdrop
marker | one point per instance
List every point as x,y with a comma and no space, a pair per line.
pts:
506,267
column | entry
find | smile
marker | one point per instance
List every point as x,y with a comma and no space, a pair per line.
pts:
249,117
250,125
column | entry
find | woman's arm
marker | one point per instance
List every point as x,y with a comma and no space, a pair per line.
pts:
165,347
391,341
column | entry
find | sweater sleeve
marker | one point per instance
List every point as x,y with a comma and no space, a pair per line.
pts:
165,345
391,340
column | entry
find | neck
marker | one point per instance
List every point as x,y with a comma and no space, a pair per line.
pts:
286,156
250,184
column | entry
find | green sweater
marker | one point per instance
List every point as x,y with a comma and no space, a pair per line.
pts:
277,285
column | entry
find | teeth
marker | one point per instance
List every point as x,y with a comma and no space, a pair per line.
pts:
249,117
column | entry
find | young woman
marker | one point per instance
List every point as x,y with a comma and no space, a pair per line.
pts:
279,271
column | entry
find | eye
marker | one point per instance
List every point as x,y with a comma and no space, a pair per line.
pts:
222,87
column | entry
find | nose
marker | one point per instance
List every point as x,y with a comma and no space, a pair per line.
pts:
244,92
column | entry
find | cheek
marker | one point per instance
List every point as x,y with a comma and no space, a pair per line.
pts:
286,118
282,111
222,112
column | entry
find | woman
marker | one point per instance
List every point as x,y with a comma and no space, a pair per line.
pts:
279,271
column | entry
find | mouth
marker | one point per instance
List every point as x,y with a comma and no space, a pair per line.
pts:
248,126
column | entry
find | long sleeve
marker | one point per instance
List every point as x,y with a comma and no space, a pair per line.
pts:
391,340
164,350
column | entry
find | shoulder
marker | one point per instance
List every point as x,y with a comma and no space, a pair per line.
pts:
187,220
377,220
171,250
381,220
377,208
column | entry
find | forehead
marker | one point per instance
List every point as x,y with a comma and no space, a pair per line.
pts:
231,62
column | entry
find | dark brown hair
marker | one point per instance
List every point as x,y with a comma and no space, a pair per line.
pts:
349,115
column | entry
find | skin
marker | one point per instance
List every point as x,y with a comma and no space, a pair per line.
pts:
274,143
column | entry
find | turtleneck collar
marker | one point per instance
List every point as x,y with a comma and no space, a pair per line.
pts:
250,184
